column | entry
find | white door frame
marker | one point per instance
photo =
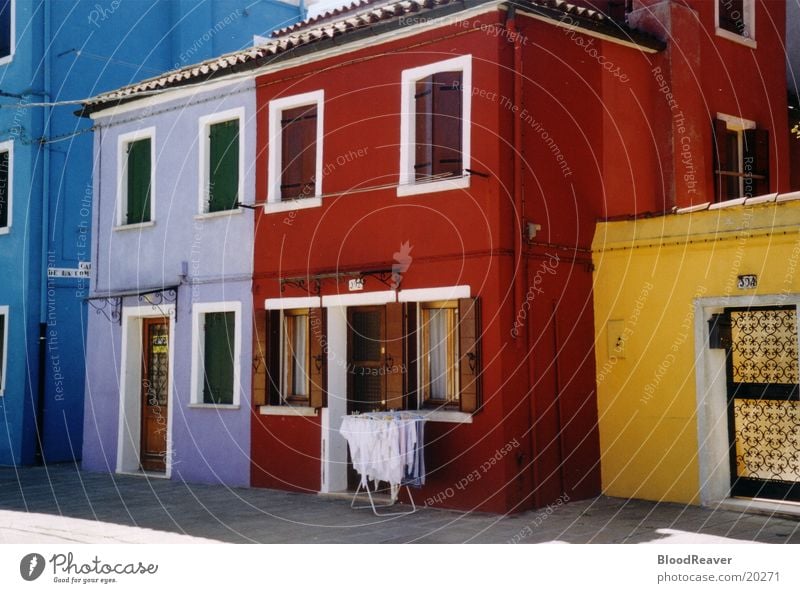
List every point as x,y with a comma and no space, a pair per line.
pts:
712,393
130,398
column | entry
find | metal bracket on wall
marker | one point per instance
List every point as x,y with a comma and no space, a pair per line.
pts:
156,298
301,282
110,305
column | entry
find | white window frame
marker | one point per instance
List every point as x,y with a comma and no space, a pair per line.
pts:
13,32
122,177
8,146
738,125
204,143
274,174
4,361
749,18
198,356
408,186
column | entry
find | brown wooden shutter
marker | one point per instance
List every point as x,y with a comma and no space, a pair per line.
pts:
393,356
298,152
272,355
756,162
317,340
259,357
469,317
423,102
410,356
447,120
720,159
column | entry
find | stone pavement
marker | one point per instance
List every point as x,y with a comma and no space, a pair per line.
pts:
59,504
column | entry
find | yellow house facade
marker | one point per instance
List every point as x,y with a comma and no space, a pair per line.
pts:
697,352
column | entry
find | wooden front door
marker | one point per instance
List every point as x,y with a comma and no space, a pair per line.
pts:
155,389
366,385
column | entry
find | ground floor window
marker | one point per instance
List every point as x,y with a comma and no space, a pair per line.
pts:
438,356
398,356
217,338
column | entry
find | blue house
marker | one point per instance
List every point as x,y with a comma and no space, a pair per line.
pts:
53,55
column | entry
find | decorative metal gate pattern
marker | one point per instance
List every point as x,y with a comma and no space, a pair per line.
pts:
763,403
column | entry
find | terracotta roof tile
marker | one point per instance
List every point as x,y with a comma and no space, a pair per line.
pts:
359,15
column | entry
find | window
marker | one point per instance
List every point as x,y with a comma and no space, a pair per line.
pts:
295,150
294,385
741,157
435,126
6,184
292,368
216,354
7,34
221,164
735,19
449,354
439,334
136,166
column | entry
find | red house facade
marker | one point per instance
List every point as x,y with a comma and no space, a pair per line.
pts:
432,183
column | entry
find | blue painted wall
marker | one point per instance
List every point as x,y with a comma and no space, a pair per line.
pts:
69,51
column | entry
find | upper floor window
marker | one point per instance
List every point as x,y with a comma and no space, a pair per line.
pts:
741,158
7,34
6,184
435,126
221,161
295,148
216,353
735,19
136,182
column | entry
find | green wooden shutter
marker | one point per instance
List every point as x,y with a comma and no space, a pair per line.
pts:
5,190
223,187
218,358
138,182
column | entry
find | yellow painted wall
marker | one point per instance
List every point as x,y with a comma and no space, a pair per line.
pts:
648,273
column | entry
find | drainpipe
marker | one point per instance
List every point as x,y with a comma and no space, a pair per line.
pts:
521,277
516,221
44,241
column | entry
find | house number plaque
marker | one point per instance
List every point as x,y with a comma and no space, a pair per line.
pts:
746,281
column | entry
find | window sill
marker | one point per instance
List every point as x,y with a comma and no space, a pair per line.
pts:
287,411
134,227
6,59
301,204
413,189
219,214
5,230
746,41
452,417
196,406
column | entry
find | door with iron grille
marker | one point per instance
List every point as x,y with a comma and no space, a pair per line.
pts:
763,406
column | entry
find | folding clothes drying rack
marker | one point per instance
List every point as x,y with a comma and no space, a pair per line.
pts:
394,489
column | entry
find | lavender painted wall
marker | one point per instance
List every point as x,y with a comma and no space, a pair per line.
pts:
208,444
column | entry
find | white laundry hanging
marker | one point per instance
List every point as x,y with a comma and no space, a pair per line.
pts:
386,447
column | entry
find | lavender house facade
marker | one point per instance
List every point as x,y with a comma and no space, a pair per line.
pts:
169,334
